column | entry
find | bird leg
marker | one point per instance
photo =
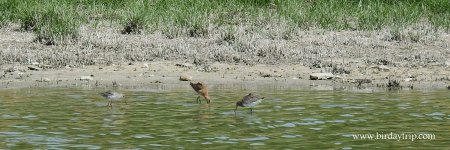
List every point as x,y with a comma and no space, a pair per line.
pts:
109,104
251,110
199,100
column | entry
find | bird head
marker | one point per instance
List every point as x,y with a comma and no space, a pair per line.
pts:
207,99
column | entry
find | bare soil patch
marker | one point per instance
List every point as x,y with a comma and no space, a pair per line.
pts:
357,59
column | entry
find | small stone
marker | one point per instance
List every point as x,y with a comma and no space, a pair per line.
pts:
265,75
361,81
382,68
86,78
145,65
116,84
46,80
321,76
34,68
18,72
269,74
185,65
185,78
45,66
409,79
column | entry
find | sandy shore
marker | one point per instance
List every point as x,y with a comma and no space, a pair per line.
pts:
103,55
153,75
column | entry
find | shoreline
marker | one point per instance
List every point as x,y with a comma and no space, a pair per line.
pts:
166,75
150,60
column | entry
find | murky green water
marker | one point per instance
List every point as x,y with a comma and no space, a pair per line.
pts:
288,119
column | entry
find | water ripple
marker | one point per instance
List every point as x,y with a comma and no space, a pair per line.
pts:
295,108
141,136
347,115
289,125
258,143
86,146
259,138
310,123
333,105
7,116
158,145
436,114
58,121
336,121
355,107
416,115
10,133
290,136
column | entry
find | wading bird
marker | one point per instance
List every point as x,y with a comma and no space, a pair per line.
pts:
202,91
110,95
250,101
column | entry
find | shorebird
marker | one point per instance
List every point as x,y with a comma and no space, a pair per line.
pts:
202,91
110,95
250,101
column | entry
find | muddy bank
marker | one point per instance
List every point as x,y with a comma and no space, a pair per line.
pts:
356,59
166,75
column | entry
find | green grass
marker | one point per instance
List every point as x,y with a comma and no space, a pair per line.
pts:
52,21
59,20
56,24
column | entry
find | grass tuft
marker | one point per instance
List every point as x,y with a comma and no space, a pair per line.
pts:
134,25
135,22
229,35
57,25
53,24
57,21
393,84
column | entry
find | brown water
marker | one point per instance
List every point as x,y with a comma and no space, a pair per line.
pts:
287,119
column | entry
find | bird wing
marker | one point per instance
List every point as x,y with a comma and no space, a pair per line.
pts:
106,94
250,98
197,86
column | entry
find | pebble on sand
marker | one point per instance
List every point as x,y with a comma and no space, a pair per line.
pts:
185,78
86,78
321,76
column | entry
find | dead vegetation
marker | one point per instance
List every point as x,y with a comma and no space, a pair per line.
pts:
393,85
322,50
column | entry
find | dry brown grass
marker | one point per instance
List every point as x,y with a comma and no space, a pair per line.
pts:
334,51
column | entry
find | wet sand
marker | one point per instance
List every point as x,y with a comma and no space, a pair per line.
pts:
167,74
